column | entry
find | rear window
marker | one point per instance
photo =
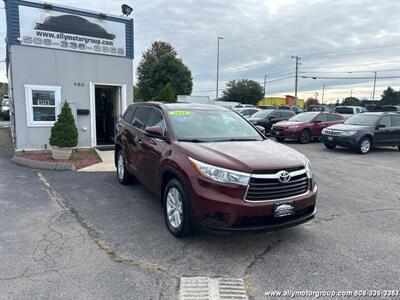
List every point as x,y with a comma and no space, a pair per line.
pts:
344,110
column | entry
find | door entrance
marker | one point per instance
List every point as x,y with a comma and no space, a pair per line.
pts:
108,106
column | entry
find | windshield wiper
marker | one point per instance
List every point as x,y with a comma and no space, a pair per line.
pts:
192,140
237,140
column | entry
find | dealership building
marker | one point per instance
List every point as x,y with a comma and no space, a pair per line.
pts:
56,54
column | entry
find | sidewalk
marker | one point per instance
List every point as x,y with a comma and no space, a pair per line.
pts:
107,164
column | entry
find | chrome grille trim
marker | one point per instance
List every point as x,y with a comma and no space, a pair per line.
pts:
276,175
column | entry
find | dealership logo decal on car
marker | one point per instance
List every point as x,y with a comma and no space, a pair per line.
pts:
284,176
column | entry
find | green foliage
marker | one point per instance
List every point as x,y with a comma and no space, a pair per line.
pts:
64,132
351,101
245,91
311,101
390,96
136,94
166,94
158,67
3,89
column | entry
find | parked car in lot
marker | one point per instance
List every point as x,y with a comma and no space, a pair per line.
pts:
382,108
348,111
267,117
363,131
296,109
305,126
268,106
319,108
213,170
240,106
247,112
5,109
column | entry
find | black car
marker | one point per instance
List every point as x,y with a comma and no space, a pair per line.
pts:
267,117
363,131
319,108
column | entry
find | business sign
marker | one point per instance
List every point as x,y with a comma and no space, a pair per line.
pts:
57,30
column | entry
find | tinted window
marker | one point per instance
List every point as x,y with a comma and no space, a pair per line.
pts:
303,117
140,116
395,121
129,115
322,118
344,110
262,114
155,119
276,114
332,117
386,121
363,120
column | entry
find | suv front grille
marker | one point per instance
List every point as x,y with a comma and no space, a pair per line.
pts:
264,187
332,132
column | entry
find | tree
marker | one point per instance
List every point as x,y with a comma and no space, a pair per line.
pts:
244,91
390,96
136,94
158,67
3,89
64,132
311,101
351,101
166,94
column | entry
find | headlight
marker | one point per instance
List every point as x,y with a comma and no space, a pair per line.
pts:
310,173
323,131
348,133
220,174
293,126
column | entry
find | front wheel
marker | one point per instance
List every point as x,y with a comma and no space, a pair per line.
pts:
330,146
364,145
305,136
279,139
176,209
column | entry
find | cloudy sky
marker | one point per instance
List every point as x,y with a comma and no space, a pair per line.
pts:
333,38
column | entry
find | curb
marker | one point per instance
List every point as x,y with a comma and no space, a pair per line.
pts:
34,164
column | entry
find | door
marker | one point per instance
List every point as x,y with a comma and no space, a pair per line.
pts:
153,149
320,122
134,149
384,132
396,128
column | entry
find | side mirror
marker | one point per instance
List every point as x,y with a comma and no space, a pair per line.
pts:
154,132
271,117
261,129
381,126
317,121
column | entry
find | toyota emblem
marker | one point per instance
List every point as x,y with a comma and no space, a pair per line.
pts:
284,176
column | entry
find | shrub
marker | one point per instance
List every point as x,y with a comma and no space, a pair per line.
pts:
64,132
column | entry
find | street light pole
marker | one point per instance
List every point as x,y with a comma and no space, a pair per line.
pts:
265,82
216,92
297,59
323,92
373,93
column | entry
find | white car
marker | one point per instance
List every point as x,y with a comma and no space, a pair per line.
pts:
5,109
348,111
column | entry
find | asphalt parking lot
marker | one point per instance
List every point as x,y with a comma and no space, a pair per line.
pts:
353,243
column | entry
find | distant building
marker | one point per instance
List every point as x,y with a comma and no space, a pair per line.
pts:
288,100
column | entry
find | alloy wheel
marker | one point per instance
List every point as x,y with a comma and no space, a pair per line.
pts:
365,146
121,167
174,207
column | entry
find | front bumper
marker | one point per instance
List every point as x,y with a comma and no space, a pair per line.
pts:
343,141
220,210
285,133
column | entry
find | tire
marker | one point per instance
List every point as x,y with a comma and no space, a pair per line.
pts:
305,136
176,206
398,147
279,139
122,172
364,145
330,146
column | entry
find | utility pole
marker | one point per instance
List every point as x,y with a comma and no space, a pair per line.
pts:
373,93
265,82
216,92
323,93
351,93
297,58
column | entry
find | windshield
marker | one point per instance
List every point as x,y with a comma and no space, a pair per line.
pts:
344,110
262,114
206,126
303,117
363,120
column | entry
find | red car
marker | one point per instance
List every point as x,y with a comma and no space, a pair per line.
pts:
212,169
305,126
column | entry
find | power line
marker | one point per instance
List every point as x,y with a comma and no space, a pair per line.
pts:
357,65
353,71
356,78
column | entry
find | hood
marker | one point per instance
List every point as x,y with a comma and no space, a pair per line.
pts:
245,156
348,127
288,123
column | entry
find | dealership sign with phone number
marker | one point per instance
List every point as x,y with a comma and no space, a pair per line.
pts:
51,29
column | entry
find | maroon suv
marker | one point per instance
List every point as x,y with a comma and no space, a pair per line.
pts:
305,126
212,169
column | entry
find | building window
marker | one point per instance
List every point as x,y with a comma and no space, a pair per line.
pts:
42,104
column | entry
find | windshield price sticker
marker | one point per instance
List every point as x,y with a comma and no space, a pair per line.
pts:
179,113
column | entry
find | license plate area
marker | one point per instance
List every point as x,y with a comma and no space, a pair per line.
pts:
283,209
330,138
